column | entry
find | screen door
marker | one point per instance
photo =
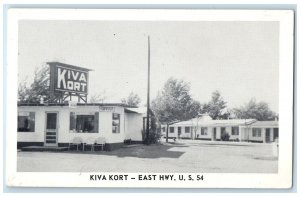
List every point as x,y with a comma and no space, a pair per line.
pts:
51,129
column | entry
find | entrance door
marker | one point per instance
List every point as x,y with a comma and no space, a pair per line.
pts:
214,138
267,135
179,132
51,129
275,134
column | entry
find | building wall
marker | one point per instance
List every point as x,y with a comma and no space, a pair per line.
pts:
134,126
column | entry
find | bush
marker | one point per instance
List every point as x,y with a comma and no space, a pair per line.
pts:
153,137
225,137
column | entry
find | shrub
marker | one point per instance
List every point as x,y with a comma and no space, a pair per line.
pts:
225,137
153,137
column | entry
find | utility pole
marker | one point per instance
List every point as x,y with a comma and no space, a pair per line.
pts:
148,94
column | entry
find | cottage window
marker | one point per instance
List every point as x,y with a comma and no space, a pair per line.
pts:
235,131
171,129
26,121
256,132
84,123
203,130
115,123
187,129
163,129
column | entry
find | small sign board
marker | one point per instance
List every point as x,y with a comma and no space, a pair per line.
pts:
72,104
106,108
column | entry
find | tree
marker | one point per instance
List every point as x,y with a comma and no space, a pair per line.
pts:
174,103
132,99
253,110
38,89
216,107
99,97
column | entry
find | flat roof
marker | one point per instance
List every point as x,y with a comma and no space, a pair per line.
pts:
203,122
78,104
272,123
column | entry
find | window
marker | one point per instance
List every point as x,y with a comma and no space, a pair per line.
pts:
187,129
26,121
256,132
84,123
203,130
235,131
115,123
171,129
163,129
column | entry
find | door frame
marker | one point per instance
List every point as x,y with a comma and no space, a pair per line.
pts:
57,128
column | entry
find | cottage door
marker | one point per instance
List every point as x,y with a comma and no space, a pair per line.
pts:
267,135
51,129
214,138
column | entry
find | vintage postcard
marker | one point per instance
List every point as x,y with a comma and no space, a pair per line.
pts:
149,98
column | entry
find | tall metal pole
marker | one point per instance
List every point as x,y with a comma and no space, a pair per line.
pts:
148,94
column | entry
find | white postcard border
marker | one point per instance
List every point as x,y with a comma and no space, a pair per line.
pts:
212,180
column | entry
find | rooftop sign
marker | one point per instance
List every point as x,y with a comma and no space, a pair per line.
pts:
68,78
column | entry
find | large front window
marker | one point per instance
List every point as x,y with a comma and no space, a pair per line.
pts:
115,123
84,123
26,121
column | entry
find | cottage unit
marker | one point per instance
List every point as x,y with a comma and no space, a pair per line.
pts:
204,128
264,131
59,124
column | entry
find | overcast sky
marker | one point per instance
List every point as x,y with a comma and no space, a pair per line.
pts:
240,59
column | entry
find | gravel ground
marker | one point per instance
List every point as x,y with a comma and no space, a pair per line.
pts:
181,156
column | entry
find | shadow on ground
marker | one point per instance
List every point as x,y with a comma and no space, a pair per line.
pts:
142,151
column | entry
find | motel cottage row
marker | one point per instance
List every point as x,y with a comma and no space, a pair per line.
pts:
204,128
59,124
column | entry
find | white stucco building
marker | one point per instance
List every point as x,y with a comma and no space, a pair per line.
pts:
59,124
204,128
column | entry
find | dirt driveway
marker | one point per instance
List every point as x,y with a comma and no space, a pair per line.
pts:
181,156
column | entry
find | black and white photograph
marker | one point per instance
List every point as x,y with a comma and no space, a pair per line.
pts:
154,100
